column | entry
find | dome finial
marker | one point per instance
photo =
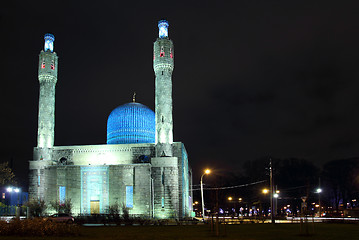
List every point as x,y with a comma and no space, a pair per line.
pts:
134,97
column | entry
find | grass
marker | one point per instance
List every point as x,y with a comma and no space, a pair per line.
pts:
318,231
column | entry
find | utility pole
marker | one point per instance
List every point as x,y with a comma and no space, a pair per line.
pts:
271,190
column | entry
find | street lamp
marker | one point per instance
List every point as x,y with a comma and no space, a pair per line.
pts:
319,190
207,171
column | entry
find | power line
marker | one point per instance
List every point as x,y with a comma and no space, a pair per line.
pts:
230,187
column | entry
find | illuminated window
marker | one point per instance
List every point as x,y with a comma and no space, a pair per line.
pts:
53,65
163,202
62,194
129,196
162,54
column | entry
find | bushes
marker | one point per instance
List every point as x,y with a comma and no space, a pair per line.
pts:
64,207
37,207
37,227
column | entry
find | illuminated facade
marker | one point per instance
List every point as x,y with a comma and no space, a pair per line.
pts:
140,167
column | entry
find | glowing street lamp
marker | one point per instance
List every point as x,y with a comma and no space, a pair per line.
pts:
265,191
230,198
15,190
319,190
207,171
11,189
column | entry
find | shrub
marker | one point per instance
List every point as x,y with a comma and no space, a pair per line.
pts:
37,227
37,207
64,207
114,209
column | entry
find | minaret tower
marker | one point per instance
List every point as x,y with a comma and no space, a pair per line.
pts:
163,65
47,78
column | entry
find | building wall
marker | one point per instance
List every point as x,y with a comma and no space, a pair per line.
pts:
160,186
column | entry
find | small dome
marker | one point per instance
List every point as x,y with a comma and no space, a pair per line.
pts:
131,123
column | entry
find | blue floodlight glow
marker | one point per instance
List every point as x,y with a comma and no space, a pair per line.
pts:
94,188
163,29
129,196
131,123
62,194
49,42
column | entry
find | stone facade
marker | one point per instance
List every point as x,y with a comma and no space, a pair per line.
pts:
160,186
163,65
151,179
47,79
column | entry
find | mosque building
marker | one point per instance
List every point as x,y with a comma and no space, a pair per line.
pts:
140,167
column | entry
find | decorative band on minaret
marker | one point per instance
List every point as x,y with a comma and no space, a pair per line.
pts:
163,64
47,78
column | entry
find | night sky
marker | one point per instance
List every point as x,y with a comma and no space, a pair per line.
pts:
252,78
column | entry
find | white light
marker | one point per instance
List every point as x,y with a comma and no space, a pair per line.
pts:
319,190
17,190
9,189
163,29
276,195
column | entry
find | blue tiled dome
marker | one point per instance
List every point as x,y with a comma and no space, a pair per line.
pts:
131,123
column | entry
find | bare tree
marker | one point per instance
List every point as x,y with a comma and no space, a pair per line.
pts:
6,174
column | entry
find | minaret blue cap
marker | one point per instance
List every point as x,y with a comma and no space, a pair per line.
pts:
49,42
163,29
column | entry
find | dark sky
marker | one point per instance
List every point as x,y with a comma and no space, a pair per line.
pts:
251,79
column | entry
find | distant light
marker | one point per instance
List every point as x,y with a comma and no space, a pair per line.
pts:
49,42
240,199
9,189
230,198
163,29
207,171
265,191
276,195
319,190
17,190
277,191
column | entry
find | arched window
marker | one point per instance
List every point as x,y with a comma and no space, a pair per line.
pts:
53,65
63,161
162,54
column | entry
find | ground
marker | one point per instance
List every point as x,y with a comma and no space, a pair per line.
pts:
318,231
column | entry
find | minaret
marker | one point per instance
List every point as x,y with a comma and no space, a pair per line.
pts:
163,66
47,78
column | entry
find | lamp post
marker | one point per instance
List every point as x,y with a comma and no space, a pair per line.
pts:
319,190
207,171
12,190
